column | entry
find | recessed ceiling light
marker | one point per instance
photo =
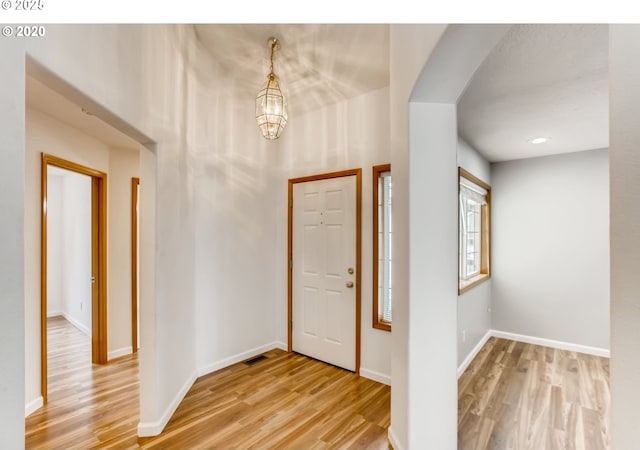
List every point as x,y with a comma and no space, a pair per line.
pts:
540,140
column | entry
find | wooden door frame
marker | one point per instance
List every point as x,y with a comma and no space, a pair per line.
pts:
98,262
135,182
345,173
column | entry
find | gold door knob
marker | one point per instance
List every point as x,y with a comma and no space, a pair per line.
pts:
350,270
349,284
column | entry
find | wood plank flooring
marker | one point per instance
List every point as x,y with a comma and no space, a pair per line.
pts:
285,401
521,396
512,396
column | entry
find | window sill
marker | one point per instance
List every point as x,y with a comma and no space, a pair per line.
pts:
466,285
379,325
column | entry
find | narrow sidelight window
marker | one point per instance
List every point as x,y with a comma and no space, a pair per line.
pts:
382,257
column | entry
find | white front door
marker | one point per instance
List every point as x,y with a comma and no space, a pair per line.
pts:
323,270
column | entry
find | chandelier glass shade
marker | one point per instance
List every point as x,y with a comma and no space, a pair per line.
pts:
271,105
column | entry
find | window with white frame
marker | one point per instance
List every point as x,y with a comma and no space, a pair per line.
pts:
474,231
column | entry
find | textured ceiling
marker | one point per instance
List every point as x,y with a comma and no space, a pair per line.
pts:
317,64
540,81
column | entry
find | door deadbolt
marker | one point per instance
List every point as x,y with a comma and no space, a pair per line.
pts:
349,284
350,270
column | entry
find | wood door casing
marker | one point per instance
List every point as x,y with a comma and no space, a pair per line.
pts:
98,262
135,185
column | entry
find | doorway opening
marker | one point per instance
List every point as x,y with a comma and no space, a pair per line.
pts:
98,258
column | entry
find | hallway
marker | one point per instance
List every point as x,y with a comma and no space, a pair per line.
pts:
89,405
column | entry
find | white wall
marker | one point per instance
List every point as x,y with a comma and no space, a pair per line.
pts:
433,275
624,91
75,255
55,227
474,306
410,47
235,229
12,242
550,248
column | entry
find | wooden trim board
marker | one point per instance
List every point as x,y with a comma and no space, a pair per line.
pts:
98,258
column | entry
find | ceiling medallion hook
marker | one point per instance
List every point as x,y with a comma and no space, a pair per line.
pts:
274,43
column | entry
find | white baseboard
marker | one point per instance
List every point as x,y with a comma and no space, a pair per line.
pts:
54,314
146,429
33,406
239,357
463,366
155,428
530,340
281,345
551,343
77,324
375,376
393,440
120,352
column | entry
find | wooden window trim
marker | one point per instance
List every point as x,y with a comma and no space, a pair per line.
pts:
485,248
377,323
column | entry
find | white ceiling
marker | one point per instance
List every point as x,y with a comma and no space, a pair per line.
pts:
317,64
540,81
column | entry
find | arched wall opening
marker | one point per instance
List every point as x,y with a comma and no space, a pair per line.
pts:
426,412
424,409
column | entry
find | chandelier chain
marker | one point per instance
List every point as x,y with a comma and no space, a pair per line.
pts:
272,47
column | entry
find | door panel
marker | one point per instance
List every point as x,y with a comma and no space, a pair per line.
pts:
324,249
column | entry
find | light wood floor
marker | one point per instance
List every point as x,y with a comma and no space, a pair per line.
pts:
512,396
521,396
285,401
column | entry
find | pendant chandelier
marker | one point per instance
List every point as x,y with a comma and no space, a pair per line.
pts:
271,106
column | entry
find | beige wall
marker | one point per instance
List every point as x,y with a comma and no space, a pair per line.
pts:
124,164
47,134
624,160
